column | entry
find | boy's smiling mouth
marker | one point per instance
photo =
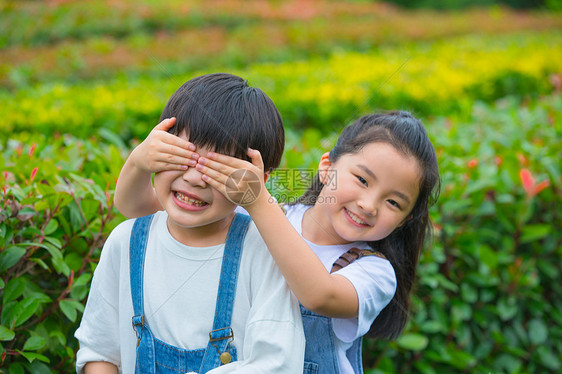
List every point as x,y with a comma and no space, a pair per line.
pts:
187,201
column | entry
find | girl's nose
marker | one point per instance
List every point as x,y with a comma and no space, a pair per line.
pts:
193,177
369,204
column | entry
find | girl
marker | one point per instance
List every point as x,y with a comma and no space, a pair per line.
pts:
350,245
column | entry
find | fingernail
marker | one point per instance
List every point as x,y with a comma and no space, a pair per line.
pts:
202,160
192,163
210,154
199,167
194,156
183,167
191,147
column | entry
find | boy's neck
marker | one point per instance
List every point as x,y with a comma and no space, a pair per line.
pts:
202,236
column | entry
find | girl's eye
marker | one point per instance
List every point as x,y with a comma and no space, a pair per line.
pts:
362,180
394,203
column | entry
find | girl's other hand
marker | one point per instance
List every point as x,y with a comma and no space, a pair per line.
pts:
241,182
163,151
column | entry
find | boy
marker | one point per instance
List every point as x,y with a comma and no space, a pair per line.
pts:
161,273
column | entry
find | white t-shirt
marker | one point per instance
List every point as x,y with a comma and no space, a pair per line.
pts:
373,278
180,290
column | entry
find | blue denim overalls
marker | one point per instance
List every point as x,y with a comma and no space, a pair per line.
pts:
155,356
320,352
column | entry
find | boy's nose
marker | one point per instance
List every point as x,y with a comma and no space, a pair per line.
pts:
193,177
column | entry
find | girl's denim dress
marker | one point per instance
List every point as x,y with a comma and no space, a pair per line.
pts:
155,356
320,352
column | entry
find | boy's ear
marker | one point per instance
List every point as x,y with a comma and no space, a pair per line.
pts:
265,177
323,167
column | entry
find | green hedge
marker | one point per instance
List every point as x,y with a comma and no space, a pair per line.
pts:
430,78
489,293
56,212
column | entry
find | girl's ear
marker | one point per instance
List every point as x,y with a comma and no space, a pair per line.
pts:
265,176
323,167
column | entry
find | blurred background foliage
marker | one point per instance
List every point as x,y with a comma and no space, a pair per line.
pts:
82,82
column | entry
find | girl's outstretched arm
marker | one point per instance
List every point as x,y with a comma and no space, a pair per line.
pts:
327,294
100,367
134,194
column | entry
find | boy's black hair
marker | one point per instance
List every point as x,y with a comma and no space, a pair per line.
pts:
221,112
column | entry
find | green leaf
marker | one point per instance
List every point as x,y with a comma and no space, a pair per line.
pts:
68,308
535,232
537,331
547,358
469,293
507,363
9,257
83,279
111,137
13,289
25,309
412,341
34,343
37,367
488,256
8,311
51,227
73,260
59,336
6,334
41,205
54,241
16,368
506,309
40,263
34,356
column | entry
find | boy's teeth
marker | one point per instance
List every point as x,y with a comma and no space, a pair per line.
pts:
355,218
189,200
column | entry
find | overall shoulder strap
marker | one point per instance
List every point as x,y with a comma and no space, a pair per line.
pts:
222,334
352,255
137,250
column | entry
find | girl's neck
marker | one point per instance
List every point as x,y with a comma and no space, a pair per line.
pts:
317,228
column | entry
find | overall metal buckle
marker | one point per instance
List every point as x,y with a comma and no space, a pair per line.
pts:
139,336
225,356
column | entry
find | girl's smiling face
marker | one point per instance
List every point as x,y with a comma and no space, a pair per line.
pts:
366,195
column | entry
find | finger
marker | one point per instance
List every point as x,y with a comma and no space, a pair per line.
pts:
255,155
175,140
230,161
165,150
221,187
166,166
166,124
217,176
216,166
168,158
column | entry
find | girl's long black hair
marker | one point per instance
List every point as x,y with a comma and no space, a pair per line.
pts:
404,245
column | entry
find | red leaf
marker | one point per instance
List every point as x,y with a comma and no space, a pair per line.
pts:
527,181
541,186
472,163
32,149
32,176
